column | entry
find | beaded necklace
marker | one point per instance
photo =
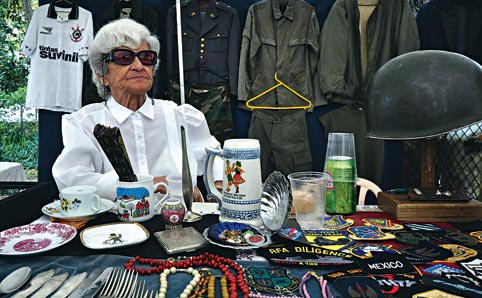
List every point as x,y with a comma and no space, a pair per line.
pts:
173,270
235,280
325,290
212,290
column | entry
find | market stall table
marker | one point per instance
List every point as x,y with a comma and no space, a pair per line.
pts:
74,257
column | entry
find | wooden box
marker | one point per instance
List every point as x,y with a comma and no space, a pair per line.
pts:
399,207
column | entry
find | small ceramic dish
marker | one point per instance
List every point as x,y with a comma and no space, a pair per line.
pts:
114,235
53,210
236,235
35,238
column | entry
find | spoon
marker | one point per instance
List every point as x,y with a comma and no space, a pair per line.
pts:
15,280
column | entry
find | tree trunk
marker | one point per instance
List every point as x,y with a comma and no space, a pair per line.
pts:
28,9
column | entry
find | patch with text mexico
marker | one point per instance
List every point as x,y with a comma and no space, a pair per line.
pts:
383,263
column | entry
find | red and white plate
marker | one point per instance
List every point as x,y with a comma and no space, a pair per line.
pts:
35,238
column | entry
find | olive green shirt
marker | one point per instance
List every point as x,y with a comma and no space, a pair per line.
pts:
391,31
286,43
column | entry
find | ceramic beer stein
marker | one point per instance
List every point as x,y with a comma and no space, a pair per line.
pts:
135,200
242,185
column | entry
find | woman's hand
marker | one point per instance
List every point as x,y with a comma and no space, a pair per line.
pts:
198,197
161,188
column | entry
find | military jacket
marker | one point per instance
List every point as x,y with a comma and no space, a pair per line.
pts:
210,44
286,43
391,31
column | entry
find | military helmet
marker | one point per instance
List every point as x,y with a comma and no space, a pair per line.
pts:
424,94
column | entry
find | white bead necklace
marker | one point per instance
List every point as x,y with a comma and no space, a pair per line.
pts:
187,290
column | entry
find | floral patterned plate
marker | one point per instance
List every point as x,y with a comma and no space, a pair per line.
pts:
35,238
53,210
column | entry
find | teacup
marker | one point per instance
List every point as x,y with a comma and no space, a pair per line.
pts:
135,200
79,200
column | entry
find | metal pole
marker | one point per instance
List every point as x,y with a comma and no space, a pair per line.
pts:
179,50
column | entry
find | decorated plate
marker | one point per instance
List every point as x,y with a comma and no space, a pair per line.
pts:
276,201
53,210
35,238
114,235
236,235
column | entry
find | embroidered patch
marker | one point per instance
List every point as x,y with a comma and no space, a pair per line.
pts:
435,294
364,251
466,290
454,236
399,285
335,240
368,233
384,224
358,287
422,227
438,269
337,222
276,280
386,263
460,252
477,234
427,250
474,267
410,238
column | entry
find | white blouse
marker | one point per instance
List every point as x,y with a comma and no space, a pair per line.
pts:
152,138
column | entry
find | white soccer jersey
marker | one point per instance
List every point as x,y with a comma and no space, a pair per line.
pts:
57,42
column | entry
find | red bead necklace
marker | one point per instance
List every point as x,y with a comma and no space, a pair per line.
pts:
211,260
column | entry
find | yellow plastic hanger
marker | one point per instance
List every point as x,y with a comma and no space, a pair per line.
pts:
280,83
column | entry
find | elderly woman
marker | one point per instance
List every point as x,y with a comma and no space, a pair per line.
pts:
123,56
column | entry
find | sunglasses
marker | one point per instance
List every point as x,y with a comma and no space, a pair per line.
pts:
126,57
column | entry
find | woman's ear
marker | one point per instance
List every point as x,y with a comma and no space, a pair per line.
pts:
102,80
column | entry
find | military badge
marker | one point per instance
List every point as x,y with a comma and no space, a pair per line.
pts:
276,280
383,223
337,222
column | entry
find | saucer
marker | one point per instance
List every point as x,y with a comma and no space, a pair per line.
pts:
53,210
35,238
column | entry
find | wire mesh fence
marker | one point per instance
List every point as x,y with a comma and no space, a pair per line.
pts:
458,161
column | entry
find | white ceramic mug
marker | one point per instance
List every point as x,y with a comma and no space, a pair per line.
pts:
242,184
79,200
135,200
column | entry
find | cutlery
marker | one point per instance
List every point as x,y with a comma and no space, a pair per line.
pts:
86,283
36,282
70,285
94,288
15,280
187,187
51,285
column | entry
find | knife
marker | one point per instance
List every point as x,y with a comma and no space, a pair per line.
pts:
94,288
51,285
70,285
86,283
36,282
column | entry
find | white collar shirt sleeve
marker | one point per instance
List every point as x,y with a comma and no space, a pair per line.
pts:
151,136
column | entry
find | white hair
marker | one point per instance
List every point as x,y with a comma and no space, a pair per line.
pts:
118,33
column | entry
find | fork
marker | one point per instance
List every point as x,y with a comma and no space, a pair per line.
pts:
119,284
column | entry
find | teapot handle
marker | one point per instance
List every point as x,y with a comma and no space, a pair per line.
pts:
212,191
164,197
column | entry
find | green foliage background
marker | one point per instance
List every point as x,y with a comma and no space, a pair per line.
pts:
19,138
